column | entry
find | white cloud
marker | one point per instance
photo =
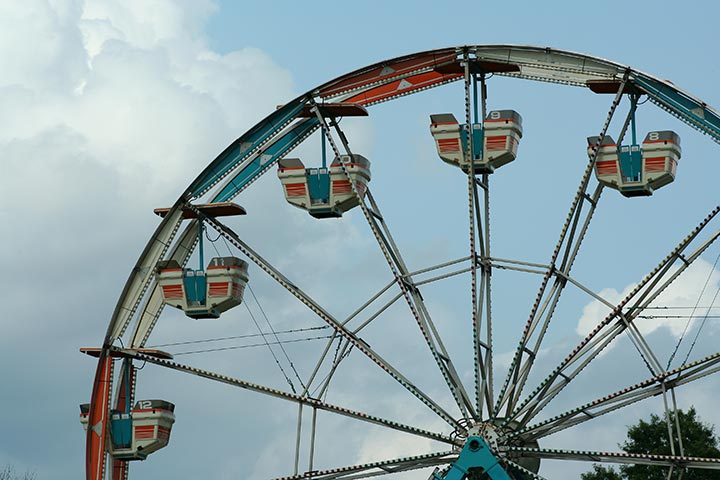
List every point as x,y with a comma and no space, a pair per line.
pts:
680,298
107,109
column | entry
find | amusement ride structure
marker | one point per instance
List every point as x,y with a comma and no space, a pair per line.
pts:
495,429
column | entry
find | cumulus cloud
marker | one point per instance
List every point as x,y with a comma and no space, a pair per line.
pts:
107,109
675,303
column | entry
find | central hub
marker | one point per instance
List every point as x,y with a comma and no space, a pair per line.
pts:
497,433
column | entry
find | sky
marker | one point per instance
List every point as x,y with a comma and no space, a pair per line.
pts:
109,109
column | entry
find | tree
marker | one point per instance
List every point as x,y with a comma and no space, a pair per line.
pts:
698,440
601,473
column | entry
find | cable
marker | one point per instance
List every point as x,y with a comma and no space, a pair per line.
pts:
692,314
251,345
697,335
292,387
236,337
676,308
267,320
334,364
332,370
207,235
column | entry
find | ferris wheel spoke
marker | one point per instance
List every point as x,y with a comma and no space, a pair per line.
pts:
616,322
674,461
416,304
483,298
299,399
543,312
342,351
479,240
524,356
368,470
356,341
640,391
376,314
393,257
526,473
519,266
588,352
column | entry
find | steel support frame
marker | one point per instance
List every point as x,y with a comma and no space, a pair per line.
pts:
400,272
642,296
519,370
293,397
341,329
646,389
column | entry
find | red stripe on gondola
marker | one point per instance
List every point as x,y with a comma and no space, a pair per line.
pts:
606,167
446,145
497,143
144,432
218,289
295,189
172,291
655,164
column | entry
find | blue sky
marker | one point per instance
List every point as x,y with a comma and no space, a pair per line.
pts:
109,109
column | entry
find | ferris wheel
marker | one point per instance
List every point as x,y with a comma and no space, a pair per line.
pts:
489,417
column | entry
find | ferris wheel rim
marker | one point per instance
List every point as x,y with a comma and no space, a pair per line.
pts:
287,113
611,70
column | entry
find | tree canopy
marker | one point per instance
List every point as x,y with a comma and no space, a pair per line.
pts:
698,440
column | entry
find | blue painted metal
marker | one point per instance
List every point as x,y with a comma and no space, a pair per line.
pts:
475,100
324,151
121,429
633,109
477,140
630,163
195,287
318,182
686,108
475,455
128,373
201,250
267,158
243,146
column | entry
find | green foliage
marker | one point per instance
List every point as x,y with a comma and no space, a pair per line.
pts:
651,437
601,473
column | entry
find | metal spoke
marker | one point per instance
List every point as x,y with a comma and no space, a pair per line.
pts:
640,391
299,399
375,315
367,470
515,379
527,473
356,341
479,238
615,457
486,267
400,271
641,296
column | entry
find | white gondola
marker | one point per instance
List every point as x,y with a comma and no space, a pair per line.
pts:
495,143
137,434
204,293
606,164
325,192
636,171
661,152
